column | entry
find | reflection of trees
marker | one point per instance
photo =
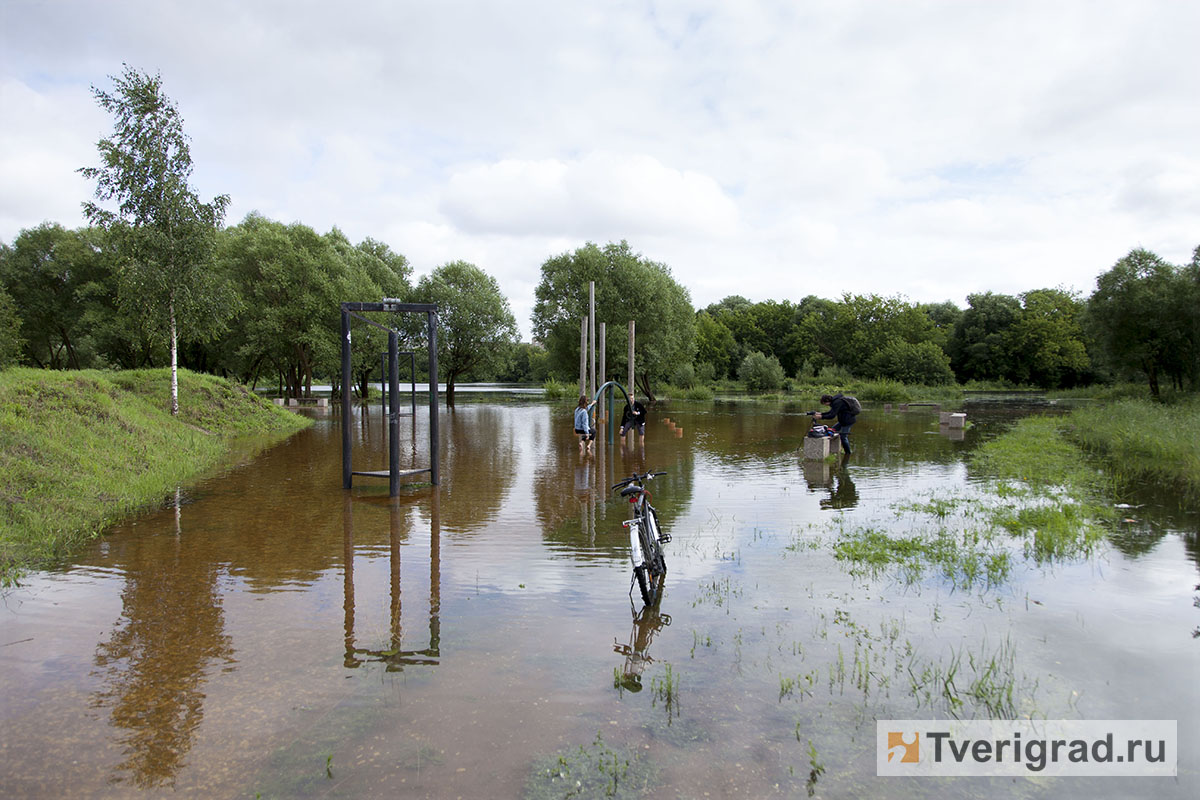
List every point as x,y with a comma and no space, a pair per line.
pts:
573,502
394,655
478,462
154,663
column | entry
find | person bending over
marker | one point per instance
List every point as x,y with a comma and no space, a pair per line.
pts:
843,409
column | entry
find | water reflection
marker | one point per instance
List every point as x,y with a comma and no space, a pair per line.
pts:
155,662
834,478
646,623
394,655
843,495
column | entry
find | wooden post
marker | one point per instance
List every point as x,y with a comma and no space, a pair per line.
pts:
629,386
603,376
592,385
583,356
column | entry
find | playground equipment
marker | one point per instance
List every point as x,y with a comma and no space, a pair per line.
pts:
393,472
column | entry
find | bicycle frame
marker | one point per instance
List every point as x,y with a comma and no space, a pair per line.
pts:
645,538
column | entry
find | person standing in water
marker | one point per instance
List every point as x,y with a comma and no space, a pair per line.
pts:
583,424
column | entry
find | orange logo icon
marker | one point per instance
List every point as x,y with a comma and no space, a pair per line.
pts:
909,751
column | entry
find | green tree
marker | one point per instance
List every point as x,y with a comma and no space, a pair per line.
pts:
1143,315
43,272
166,237
11,343
715,345
476,328
981,347
923,362
628,287
1047,339
291,281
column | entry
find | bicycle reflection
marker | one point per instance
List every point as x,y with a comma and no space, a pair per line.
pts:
646,623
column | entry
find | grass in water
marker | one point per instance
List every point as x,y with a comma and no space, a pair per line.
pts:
79,450
1146,440
593,771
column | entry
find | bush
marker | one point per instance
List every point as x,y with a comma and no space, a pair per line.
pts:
706,373
556,390
913,363
761,373
834,375
684,376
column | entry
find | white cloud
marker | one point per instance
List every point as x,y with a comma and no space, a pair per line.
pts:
768,149
601,195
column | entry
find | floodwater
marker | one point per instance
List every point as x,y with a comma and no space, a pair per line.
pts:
273,635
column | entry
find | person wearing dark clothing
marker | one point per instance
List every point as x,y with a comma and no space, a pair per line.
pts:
634,418
841,409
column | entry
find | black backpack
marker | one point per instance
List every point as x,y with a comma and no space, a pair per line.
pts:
852,405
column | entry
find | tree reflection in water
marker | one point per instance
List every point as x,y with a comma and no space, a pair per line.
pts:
154,664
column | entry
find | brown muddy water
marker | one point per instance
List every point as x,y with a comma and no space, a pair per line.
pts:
273,635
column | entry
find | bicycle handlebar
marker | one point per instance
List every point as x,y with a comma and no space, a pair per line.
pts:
636,478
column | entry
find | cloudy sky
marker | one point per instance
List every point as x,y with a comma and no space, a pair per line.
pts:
767,148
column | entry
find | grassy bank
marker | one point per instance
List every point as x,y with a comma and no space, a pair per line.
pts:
79,450
1140,439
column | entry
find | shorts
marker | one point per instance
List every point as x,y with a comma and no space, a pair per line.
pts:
641,428
590,435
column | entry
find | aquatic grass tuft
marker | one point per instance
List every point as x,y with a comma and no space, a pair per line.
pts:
595,770
963,559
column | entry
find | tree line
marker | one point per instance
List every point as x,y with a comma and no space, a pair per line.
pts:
160,280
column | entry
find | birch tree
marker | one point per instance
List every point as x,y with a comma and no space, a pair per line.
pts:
165,236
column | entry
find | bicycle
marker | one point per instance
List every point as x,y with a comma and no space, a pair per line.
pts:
645,537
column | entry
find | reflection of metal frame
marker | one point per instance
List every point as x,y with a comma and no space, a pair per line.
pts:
393,472
395,657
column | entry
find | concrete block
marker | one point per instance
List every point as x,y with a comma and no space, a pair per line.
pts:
322,402
279,401
293,401
958,420
818,447
944,418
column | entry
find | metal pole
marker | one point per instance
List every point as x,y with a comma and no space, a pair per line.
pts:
347,476
393,415
433,399
383,373
412,394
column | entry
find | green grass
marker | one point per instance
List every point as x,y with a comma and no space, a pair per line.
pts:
79,450
1141,439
